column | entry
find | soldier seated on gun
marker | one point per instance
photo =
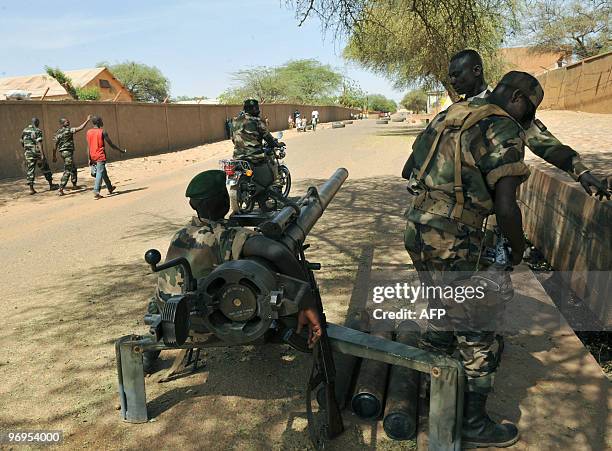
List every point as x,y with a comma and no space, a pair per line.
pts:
249,133
207,242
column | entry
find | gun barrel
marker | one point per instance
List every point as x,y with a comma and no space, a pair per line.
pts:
311,209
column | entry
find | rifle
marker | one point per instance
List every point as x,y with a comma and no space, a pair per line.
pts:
323,368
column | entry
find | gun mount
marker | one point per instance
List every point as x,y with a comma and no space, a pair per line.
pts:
255,300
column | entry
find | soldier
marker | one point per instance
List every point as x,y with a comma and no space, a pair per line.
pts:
32,143
64,142
249,132
467,163
466,75
207,242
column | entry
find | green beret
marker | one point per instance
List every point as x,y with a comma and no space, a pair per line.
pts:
206,184
526,83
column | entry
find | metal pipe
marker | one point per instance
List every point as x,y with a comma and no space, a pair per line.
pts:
400,419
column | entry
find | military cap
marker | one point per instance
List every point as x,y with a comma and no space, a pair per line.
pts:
525,83
250,104
206,184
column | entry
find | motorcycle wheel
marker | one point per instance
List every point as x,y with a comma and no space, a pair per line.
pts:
244,201
286,179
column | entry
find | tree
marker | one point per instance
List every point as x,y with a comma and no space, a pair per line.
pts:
352,95
378,102
300,81
415,100
308,81
411,41
92,93
145,83
63,80
580,28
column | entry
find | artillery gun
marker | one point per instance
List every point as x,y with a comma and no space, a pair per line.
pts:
255,300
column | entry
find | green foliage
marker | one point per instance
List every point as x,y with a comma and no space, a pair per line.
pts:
352,95
411,41
378,102
580,28
63,80
300,81
91,93
187,98
415,100
145,83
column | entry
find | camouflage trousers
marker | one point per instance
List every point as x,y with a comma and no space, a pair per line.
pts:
34,159
469,327
70,170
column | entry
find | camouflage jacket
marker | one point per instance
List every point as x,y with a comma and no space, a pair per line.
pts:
546,146
205,244
491,149
31,137
248,132
64,139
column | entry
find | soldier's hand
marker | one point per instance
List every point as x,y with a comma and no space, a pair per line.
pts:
89,116
310,317
588,181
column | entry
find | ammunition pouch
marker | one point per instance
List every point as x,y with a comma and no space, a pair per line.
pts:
441,207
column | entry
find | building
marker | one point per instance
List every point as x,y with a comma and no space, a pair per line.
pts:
44,86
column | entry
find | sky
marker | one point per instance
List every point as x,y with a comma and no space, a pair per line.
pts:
196,44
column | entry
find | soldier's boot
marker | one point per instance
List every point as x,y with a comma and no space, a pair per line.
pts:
32,190
60,192
479,431
53,186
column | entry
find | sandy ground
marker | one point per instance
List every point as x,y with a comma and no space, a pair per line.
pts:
74,281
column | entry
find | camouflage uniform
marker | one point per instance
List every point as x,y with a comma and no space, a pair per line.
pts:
248,132
64,141
205,244
442,248
31,140
548,147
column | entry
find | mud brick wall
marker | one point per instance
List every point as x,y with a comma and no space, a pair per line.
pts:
574,232
142,128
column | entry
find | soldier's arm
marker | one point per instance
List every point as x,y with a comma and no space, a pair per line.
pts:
82,126
548,147
499,154
39,143
508,215
266,135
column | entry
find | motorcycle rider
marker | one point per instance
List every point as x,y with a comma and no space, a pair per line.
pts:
249,132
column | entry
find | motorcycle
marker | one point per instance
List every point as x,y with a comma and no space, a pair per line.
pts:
249,183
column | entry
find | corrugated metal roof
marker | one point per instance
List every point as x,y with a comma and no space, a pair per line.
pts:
35,84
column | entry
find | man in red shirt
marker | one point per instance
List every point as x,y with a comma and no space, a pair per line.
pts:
96,137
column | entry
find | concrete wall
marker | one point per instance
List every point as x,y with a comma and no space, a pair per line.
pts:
142,128
584,86
573,231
